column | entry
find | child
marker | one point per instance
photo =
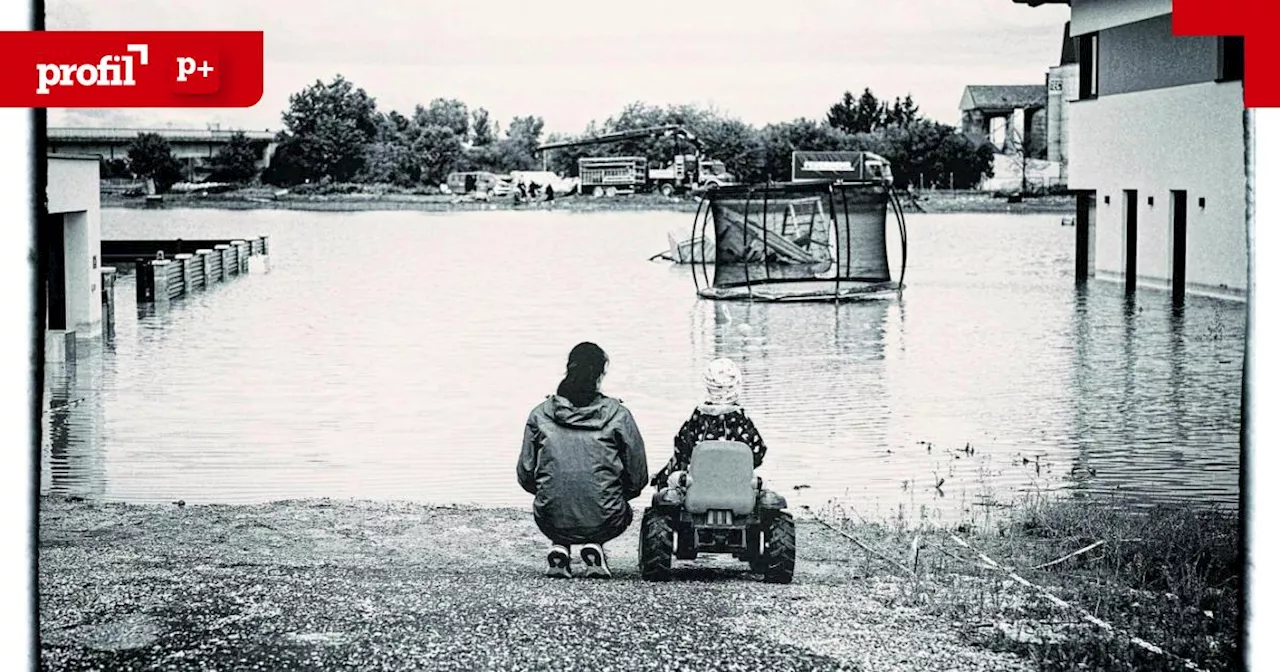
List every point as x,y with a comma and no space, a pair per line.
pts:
719,418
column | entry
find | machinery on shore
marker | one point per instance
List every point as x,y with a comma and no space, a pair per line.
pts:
614,175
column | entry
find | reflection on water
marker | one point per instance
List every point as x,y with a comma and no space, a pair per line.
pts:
395,356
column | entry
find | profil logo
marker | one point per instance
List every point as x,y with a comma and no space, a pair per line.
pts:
104,69
110,70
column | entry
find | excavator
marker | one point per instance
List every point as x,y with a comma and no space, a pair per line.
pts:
612,175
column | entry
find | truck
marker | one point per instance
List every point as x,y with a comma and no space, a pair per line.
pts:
811,166
698,172
611,175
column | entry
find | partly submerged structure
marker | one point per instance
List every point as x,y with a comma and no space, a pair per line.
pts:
812,240
1158,134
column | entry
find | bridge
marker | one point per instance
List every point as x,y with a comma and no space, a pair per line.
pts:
195,148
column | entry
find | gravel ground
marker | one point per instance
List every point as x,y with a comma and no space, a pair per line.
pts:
326,585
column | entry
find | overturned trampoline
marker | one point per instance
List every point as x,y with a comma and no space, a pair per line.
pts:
798,241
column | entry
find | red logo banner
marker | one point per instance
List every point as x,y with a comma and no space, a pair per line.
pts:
42,69
1255,21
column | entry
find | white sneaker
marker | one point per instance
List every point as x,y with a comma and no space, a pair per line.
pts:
558,563
597,565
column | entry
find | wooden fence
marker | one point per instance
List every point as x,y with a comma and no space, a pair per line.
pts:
162,279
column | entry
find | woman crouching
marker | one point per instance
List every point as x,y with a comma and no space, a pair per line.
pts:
583,460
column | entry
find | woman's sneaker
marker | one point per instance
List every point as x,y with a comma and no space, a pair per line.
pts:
558,563
597,565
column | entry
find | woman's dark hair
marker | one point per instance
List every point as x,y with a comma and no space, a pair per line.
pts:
586,365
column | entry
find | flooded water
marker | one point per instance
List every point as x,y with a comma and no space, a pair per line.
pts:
395,355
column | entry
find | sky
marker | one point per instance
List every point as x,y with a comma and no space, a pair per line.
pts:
575,61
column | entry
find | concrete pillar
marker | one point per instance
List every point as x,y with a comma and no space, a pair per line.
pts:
242,256
261,261
202,267
108,302
223,251
186,263
145,284
59,346
160,275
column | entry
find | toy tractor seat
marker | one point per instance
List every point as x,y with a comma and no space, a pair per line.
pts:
721,477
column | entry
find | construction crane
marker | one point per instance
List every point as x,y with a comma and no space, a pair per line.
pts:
610,175
666,130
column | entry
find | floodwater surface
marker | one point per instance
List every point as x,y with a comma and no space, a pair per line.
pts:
395,355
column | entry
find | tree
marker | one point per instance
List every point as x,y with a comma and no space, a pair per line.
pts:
237,161
482,131
436,151
150,157
870,113
1016,148
390,162
446,113
332,124
778,141
289,164
843,115
862,115
909,111
114,169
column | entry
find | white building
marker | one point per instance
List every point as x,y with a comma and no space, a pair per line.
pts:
1156,146
72,238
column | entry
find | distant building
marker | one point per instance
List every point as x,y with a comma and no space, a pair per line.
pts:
1156,144
194,147
1011,116
1063,84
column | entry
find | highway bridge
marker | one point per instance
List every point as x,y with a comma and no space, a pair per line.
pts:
194,147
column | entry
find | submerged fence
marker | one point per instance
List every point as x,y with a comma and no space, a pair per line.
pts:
161,280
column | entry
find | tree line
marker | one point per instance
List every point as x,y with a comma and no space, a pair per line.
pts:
333,132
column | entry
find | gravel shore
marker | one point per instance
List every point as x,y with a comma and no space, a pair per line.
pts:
338,585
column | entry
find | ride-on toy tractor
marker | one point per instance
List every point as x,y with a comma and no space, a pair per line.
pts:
718,506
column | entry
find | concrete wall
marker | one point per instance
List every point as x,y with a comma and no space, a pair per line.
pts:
1089,16
1190,138
1064,86
1144,55
73,193
1037,133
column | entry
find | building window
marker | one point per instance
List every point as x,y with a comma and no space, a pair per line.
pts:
1230,59
1088,53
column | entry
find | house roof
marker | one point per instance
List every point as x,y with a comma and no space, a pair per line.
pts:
1003,97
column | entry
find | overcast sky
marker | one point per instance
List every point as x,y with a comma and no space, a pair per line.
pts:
572,61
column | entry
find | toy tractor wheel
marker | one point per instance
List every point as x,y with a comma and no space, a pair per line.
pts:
780,550
656,541
667,189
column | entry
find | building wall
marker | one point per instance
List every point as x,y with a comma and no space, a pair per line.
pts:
1143,56
1038,133
72,192
1188,137
1089,16
1064,86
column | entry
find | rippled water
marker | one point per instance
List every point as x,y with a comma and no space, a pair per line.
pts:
395,355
